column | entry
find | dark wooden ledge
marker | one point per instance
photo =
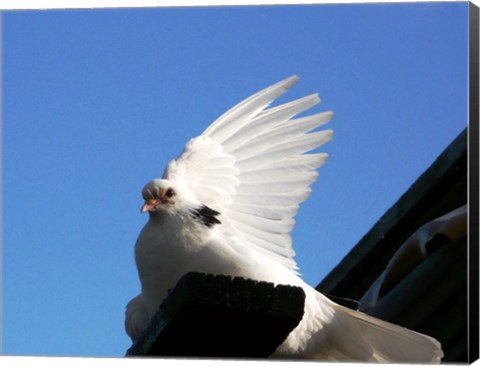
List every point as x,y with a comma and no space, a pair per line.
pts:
219,317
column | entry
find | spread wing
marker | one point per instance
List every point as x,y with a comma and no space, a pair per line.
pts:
252,166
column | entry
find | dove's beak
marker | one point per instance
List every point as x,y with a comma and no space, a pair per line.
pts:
149,205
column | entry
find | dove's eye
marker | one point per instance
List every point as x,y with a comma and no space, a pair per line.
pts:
169,193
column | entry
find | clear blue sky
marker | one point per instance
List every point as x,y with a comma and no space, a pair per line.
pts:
97,102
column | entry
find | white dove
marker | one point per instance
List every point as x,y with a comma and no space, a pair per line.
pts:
226,206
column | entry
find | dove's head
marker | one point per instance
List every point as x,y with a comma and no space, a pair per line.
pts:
162,195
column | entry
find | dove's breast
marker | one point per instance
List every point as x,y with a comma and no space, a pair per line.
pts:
165,252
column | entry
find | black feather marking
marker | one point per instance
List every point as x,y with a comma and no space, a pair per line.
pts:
206,215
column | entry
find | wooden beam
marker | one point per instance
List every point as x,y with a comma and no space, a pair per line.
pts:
221,317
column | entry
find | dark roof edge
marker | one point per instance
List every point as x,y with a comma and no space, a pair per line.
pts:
381,241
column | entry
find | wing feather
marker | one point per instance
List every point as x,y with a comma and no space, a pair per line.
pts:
303,143
280,188
278,175
254,165
243,113
268,200
269,212
278,243
275,136
268,158
268,120
262,223
312,161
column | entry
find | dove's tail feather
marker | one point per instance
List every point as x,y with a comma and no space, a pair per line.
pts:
358,337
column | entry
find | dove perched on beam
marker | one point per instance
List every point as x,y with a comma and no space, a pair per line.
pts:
227,205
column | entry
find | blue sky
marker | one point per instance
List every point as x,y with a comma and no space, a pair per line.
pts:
95,103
